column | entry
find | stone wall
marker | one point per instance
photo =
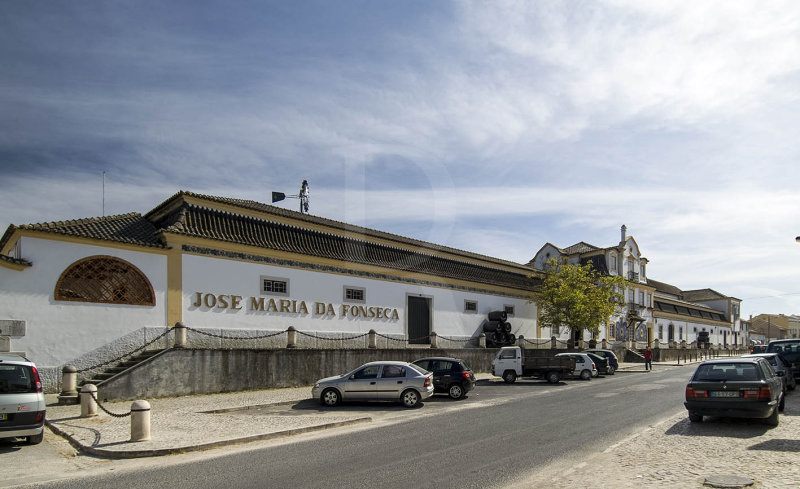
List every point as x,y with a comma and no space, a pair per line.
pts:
178,372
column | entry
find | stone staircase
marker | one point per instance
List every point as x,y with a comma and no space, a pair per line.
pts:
98,377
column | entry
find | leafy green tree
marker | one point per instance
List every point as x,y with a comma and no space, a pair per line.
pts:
577,297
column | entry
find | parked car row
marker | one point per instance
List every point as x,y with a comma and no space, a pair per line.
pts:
407,383
751,386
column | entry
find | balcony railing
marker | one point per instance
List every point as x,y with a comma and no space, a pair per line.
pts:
633,276
633,308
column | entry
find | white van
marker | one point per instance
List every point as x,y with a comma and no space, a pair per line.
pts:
22,405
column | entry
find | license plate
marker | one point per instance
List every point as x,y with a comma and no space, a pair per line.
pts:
724,394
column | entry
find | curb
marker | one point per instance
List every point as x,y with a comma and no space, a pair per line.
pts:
157,452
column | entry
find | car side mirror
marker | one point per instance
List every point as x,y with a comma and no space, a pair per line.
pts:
780,373
352,377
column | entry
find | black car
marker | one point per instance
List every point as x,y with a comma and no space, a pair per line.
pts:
613,362
736,388
450,375
600,362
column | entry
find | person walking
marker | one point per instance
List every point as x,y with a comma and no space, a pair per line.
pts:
648,359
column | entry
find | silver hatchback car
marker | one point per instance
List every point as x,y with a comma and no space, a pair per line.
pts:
22,405
377,381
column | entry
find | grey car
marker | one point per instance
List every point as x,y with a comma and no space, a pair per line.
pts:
22,405
781,366
377,381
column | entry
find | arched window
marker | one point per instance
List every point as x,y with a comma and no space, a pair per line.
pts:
104,279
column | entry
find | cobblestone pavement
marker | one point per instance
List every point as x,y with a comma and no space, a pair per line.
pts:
675,453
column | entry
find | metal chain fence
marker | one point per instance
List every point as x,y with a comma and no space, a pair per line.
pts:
214,335
458,340
332,339
537,343
115,415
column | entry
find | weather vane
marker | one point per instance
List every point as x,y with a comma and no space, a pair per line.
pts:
302,195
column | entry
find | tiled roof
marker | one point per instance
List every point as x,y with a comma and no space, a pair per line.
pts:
579,248
665,288
15,261
279,211
688,309
702,295
205,222
129,228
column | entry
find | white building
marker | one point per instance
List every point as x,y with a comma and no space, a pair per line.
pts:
654,312
635,318
87,287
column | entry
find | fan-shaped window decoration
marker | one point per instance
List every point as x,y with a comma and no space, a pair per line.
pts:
104,279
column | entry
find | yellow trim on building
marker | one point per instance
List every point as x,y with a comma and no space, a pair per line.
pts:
27,233
13,266
174,286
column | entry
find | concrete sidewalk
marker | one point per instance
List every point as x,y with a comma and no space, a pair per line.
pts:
190,423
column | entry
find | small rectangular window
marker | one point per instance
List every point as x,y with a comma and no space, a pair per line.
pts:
470,306
509,309
274,286
354,294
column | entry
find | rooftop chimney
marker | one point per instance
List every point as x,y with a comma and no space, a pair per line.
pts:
622,233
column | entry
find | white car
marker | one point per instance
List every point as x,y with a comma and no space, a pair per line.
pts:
22,405
584,365
377,381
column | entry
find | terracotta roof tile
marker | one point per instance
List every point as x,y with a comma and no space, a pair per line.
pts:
129,228
206,222
279,211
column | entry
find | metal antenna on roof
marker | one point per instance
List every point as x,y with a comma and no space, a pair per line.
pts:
302,195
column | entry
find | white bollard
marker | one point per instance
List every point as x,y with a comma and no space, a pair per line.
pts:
140,421
88,403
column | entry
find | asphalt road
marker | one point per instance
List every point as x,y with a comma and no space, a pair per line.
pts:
493,438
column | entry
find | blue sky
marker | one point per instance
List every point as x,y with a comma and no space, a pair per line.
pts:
492,127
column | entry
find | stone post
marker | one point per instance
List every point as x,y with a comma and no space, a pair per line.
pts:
292,337
553,342
88,403
140,421
434,340
69,383
373,343
482,340
521,341
180,335
604,344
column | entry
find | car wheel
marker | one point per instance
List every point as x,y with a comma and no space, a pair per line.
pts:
456,391
509,376
35,439
410,398
553,377
773,419
330,397
586,374
611,370
695,418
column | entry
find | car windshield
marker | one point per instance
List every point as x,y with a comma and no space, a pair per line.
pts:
16,379
789,349
726,372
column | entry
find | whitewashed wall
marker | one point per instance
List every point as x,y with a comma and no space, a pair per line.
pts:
208,275
60,331
689,334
